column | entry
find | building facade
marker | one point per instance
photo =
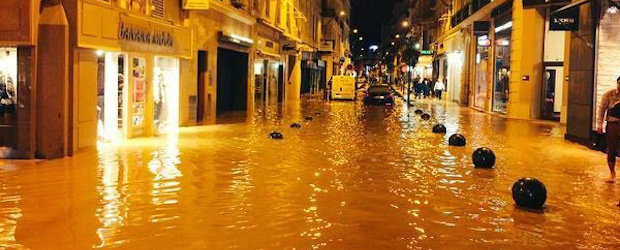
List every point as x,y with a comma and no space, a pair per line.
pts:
122,69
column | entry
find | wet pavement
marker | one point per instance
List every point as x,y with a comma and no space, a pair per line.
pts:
354,177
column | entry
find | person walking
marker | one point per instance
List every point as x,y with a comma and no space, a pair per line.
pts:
439,87
609,110
426,88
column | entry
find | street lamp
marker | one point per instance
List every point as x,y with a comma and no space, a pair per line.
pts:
397,36
355,31
417,45
342,13
361,38
405,23
393,43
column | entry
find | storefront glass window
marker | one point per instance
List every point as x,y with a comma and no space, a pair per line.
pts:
481,84
501,88
166,95
138,76
8,83
608,55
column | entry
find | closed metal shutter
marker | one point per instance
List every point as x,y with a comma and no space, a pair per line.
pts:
158,8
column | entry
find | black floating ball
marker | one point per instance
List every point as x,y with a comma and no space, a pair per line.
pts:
484,158
308,118
529,193
419,112
439,129
457,140
276,136
295,125
426,117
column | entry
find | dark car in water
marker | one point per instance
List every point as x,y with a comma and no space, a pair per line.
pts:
379,95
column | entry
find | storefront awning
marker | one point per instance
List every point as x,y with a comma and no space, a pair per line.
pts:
570,6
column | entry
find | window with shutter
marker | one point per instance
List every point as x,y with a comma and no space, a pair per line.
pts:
158,8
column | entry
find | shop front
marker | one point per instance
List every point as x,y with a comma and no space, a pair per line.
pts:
17,68
268,67
607,55
481,68
502,53
310,74
130,72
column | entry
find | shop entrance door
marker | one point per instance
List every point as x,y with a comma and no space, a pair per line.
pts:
111,96
551,105
166,95
232,81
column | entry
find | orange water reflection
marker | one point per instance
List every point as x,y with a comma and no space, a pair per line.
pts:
353,178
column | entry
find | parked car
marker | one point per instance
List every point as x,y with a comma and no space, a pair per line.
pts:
379,95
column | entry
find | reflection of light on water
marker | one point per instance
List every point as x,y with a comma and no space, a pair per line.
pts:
10,214
165,188
113,210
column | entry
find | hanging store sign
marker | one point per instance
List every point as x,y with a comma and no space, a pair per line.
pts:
327,46
196,4
565,20
426,52
144,34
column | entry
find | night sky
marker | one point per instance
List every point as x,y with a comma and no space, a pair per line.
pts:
367,16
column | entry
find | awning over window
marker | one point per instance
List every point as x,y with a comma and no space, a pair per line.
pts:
570,6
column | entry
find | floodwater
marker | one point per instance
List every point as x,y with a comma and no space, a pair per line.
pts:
354,177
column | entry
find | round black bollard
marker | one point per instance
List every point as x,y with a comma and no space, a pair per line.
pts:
276,135
419,112
529,193
483,158
317,113
295,125
426,117
457,140
308,118
439,129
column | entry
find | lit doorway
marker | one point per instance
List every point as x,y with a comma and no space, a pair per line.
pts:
166,95
111,96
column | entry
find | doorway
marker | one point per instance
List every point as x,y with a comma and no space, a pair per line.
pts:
232,81
166,95
111,96
202,78
551,105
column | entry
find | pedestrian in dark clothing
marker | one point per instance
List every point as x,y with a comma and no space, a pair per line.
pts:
426,88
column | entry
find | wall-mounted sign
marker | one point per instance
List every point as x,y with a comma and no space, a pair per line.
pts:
196,4
565,20
236,39
327,46
144,34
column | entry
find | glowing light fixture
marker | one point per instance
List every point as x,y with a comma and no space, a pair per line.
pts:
503,27
405,23
417,45
393,43
373,47
242,38
612,10
355,31
342,13
397,35
99,53
361,38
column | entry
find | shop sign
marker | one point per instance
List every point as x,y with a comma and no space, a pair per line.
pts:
236,39
327,46
565,20
196,4
144,34
426,52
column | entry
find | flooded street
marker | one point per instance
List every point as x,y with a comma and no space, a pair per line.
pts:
354,177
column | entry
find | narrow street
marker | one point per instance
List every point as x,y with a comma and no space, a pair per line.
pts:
354,177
